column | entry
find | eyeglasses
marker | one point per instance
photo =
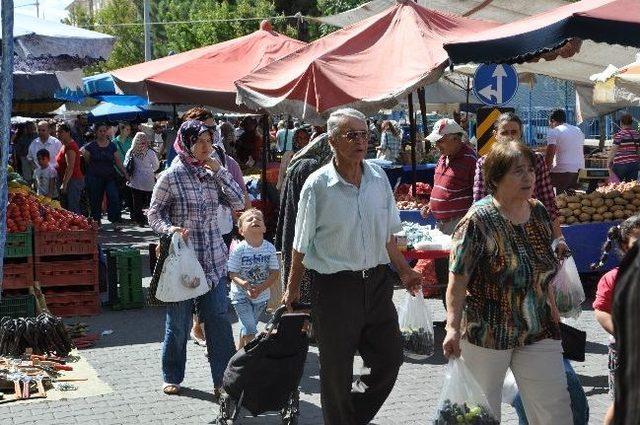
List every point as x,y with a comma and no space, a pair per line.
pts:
356,135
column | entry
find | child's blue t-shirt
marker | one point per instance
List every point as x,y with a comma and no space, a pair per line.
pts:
254,266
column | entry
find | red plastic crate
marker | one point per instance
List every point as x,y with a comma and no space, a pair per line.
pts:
17,275
68,304
65,243
61,273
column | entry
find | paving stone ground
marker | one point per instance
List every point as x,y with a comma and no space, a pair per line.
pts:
129,361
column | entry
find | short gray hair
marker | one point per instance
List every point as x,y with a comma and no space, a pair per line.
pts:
338,117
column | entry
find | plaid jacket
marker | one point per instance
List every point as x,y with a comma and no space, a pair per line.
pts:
543,190
181,199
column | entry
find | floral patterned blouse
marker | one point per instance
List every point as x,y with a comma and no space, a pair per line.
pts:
510,268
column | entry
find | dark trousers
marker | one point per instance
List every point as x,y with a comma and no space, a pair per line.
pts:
140,201
564,181
98,187
352,313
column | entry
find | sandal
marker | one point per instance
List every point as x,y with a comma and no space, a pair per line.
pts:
171,389
197,341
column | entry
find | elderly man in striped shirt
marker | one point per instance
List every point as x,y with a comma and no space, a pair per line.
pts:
452,193
344,226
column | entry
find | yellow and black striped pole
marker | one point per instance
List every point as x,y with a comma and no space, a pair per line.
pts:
484,130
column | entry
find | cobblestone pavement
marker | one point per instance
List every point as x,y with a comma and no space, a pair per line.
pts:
129,361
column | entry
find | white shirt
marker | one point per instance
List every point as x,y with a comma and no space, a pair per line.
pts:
52,144
254,265
143,177
43,177
342,227
284,139
569,142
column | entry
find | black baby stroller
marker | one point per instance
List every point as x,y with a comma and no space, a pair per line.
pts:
265,374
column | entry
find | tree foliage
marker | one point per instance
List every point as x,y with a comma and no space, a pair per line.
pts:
181,25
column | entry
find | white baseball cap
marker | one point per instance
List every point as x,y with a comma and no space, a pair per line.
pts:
442,127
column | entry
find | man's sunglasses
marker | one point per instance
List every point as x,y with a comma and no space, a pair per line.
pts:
355,135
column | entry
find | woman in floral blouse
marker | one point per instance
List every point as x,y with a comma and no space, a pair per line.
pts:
185,199
500,310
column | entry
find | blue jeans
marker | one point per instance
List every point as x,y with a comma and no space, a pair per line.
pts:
626,172
97,187
74,192
579,403
248,314
212,309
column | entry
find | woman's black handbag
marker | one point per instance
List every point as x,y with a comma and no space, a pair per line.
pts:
130,166
574,342
165,243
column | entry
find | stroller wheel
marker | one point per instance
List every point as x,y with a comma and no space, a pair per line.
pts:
290,413
225,414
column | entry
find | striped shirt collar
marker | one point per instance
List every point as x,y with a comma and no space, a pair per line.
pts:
368,173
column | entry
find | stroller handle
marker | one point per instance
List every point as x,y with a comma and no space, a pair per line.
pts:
297,306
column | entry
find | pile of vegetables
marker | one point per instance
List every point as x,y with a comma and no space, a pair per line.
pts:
616,201
26,210
454,413
405,199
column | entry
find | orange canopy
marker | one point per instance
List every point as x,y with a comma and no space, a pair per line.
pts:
367,65
205,75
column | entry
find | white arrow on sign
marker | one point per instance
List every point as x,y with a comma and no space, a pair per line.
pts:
488,92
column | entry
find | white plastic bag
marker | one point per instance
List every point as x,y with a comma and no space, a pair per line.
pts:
182,277
462,400
416,326
567,287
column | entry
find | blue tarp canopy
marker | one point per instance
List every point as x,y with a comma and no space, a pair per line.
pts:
111,112
97,85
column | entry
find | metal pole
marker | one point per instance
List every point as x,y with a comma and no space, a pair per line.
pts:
6,82
412,139
422,101
468,92
147,31
265,158
529,128
566,101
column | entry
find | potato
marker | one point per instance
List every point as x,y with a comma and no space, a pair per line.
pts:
584,217
612,194
628,195
628,213
574,205
602,209
636,202
597,202
588,210
618,214
586,202
631,207
573,199
571,219
562,220
636,188
565,212
620,201
597,217
607,215
577,212
615,208
561,203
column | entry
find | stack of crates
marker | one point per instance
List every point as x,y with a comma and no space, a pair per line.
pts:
17,273
124,278
66,266
16,306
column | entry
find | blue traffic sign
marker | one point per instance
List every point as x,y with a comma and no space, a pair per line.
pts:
495,84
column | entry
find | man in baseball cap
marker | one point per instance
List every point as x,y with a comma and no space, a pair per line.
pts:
452,193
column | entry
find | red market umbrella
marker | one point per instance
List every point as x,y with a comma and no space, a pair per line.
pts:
205,75
604,21
367,65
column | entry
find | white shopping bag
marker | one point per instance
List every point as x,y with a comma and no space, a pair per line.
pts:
568,290
182,276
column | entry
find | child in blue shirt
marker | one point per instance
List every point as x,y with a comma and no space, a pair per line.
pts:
253,268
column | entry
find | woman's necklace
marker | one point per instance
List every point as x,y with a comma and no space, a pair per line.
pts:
517,218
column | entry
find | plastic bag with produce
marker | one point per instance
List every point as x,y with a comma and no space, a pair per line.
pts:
462,400
567,287
416,326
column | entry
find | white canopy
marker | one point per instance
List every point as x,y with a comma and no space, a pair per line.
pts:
35,38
